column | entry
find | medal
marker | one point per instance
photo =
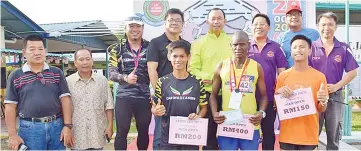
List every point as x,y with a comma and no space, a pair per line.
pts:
244,66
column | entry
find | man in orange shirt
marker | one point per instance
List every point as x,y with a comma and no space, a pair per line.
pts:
301,133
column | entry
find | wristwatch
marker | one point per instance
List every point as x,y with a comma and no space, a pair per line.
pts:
263,113
70,126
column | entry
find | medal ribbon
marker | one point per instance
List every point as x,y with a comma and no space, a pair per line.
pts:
244,67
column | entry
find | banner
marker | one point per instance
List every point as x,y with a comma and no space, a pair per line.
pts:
239,14
188,132
301,103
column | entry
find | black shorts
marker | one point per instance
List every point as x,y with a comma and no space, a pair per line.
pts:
286,146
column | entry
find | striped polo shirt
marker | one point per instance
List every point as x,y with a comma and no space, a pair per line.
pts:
36,94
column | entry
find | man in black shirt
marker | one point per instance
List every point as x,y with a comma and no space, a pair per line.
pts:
128,66
178,94
158,64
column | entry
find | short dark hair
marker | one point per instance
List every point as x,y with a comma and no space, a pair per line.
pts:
327,15
174,11
32,38
264,16
213,9
76,52
302,37
179,44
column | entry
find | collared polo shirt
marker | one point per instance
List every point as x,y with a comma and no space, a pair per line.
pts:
36,94
285,41
157,52
271,57
333,66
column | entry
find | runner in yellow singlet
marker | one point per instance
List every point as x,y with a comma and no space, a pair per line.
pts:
245,75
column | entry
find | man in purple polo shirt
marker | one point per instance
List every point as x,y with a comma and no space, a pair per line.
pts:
332,58
273,61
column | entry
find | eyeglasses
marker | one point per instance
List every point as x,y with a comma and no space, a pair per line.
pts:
42,80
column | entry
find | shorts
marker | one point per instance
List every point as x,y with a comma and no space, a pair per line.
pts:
286,146
229,143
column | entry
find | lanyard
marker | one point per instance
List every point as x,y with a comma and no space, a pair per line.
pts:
244,67
136,58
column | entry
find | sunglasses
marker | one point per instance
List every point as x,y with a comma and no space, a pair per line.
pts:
134,18
42,80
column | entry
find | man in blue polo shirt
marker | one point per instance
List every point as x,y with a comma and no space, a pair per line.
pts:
273,61
294,22
332,58
39,95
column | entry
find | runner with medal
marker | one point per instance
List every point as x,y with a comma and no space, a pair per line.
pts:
238,77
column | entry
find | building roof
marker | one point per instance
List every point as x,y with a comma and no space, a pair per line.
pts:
91,32
66,26
17,24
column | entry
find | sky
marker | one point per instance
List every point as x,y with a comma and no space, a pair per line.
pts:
55,11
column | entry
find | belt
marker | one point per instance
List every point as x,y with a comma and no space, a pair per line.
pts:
46,119
336,93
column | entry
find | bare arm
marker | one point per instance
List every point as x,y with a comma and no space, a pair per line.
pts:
203,110
256,120
349,76
110,114
10,118
153,74
216,86
67,109
262,88
109,105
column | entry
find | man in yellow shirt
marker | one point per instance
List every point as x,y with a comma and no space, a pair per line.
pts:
207,52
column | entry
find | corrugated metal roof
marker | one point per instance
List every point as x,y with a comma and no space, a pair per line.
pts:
16,23
83,29
66,26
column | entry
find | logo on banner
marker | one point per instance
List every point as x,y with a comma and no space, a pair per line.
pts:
154,12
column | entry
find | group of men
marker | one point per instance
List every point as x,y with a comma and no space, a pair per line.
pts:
213,72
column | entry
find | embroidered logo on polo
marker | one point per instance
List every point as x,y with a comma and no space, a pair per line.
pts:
181,96
270,54
338,58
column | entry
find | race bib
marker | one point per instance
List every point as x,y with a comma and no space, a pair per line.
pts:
235,100
246,84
